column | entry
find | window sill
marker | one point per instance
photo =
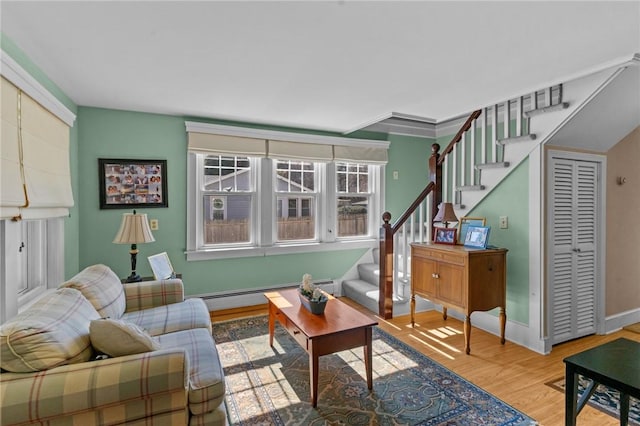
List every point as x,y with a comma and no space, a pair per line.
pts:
228,253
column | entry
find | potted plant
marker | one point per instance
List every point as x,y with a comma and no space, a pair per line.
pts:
311,297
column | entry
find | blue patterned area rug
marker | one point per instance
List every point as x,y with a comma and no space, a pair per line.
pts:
270,386
604,399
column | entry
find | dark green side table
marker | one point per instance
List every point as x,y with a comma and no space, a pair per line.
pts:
615,364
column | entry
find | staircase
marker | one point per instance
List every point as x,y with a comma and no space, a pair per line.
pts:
474,162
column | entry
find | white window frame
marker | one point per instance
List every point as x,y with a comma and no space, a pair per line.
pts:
264,214
44,255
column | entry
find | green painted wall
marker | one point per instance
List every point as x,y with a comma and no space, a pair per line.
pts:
72,223
410,157
124,134
511,198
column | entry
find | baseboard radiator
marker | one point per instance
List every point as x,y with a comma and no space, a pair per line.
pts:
255,296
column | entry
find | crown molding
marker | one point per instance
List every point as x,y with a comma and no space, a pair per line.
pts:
17,75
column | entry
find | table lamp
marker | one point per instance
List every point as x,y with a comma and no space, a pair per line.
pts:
445,214
134,230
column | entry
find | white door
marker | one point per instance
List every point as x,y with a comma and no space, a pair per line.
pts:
574,275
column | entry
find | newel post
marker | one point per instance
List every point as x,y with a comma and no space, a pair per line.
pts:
435,176
385,299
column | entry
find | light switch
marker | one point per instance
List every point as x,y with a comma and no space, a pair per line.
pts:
153,223
504,222
395,175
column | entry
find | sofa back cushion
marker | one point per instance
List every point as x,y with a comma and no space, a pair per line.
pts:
53,331
102,287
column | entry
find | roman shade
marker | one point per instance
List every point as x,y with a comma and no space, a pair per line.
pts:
220,139
208,143
284,150
34,155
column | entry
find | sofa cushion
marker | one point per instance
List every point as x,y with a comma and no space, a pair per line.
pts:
102,287
118,338
53,331
206,376
192,313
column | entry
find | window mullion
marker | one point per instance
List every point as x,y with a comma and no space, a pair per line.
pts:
266,203
329,203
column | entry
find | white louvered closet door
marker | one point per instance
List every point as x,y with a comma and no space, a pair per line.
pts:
573,248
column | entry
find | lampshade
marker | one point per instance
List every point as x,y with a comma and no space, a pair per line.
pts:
445,213
134,229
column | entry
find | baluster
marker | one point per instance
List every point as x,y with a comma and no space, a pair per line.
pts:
463,160
421,220
547,96
454,174
519,116
472,163
483,135
445,179
494,134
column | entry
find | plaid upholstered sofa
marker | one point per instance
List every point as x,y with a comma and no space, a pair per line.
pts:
53,375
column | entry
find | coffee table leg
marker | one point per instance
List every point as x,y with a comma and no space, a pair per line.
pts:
624,409
313,374
368,356
272,323
570,397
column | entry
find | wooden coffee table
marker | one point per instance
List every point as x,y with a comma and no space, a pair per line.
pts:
341,327
615,364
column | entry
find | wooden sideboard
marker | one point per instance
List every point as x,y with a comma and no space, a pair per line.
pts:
460,278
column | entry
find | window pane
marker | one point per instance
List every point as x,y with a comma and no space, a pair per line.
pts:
352,178
295,176
353,216
227,219
227,173
299,223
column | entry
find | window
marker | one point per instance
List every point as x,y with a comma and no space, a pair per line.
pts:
254,192
295,183
227,183
353,199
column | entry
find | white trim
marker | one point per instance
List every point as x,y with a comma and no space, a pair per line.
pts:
617,321
17,75
536,335
219,129
314,247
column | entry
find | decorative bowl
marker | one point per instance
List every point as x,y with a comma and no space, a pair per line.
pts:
315,307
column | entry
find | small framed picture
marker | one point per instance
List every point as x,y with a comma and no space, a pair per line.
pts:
477,237
444,235
132,183
465,222
161,266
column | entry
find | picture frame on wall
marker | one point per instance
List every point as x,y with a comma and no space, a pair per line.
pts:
128,183
477,237
465,222
444,235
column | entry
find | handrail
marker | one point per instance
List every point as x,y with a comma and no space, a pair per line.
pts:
385,293
467,124
412,208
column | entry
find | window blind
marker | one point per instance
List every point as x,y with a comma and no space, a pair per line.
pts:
222,139
208,143
41,169
300,151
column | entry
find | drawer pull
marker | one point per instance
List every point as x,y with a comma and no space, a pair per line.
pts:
435,275
296,332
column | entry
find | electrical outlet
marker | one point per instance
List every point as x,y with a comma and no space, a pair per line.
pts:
504,222
153,223
395,175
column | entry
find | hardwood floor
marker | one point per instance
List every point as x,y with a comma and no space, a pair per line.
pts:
510,372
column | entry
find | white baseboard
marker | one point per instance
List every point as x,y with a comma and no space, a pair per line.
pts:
617,321
255,296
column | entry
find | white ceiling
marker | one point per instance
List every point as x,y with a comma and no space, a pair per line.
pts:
337,65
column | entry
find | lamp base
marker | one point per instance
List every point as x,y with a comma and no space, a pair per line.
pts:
133,278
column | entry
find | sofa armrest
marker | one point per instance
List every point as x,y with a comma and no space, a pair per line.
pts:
74,389
149,294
